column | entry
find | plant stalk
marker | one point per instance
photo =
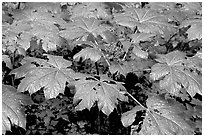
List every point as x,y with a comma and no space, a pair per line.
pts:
136,100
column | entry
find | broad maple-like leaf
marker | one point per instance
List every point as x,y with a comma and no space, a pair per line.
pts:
129,117
36,22
12,111
104,91
176,70
82,27
51,74
146,20
137,37
90,10
195,31
163,117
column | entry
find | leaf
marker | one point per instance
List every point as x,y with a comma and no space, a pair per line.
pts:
164,118
92,51
51,74
195,31
109,37
122,68
176,72
126,45
90,10
135,66
82,27
37,22
192,7
129,117
12,111
162,5
137,37
104,91
50,38
146,20
137,51
88,53
7,60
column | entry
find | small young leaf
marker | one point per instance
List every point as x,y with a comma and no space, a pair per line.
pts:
7,60
129,117
88,53
137,51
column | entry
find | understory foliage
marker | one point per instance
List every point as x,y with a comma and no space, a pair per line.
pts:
86,67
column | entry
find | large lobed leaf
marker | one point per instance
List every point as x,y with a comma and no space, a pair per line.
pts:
177,70
146,20
12,111
104,91
36,21
51,74
82,27
163,117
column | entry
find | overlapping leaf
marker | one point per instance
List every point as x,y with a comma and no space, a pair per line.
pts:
122,68
36,23
51,74
104,91
129,117
162,5
137,51
137,37
82,27
7,60
164,117
177,70
195,31
146,20
92,52
192,7
12,111
90,10
136,66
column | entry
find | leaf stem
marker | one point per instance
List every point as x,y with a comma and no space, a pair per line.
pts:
124,56
136,100
96,64
102,54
